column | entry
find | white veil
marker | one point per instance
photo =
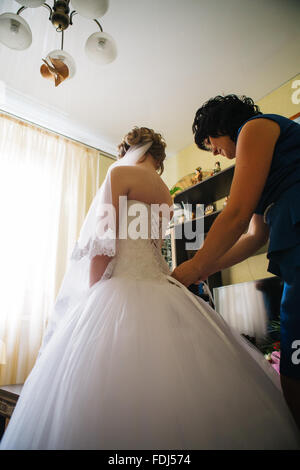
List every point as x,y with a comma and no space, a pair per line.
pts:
97,237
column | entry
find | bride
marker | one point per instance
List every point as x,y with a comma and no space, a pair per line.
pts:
132,359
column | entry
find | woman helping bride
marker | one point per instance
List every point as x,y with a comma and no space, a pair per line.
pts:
131,359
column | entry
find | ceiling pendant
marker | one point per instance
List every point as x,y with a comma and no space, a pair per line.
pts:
59,65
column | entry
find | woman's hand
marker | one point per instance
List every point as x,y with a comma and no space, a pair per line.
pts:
188,273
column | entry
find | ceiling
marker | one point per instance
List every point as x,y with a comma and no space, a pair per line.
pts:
172,56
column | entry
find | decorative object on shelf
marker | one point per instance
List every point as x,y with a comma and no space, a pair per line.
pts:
181,219
198,177
166,251
199,211
175,190
182,213
187,181
209,209
274,356
217,168
188,212
225,202
177,215
183,183
199,207
274,359
58,66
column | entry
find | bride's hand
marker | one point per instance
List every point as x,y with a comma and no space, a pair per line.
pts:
188,273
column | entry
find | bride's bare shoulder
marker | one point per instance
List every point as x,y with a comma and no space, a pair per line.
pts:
141,184
130,173
134,173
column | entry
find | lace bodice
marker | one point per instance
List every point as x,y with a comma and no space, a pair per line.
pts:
139,258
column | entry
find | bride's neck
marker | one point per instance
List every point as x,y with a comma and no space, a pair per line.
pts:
149,163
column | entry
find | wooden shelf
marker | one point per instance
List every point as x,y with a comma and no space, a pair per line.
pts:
209,190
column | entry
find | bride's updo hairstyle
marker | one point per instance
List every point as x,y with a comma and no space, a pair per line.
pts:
142,135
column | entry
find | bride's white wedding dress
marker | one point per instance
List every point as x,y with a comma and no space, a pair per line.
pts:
141,363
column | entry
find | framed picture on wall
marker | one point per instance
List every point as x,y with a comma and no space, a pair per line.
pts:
296,118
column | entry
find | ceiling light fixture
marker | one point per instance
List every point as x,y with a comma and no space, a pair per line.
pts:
59,65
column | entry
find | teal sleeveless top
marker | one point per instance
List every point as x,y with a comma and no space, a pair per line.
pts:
280,199
285,167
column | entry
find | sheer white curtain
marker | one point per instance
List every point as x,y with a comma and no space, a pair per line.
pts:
47,183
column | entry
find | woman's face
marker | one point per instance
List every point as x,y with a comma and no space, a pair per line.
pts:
222,146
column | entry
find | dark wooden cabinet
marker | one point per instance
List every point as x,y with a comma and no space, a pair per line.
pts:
206,192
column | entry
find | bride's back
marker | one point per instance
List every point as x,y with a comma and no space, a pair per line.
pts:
145,206
140,237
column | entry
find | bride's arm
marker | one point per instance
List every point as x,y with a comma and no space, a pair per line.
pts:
98,266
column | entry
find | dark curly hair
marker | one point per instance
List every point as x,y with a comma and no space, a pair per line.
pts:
222,115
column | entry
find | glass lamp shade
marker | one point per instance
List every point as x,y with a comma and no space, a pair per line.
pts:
66,58
101,48
31,3
91,9
15,32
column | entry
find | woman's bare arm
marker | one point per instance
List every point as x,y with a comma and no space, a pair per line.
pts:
247,245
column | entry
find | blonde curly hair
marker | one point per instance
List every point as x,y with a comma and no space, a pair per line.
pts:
142,135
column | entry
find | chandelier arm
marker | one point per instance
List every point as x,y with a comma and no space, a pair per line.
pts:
21,9
49,8
43,5
74,12
96,21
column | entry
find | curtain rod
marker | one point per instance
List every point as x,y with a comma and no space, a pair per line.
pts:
106,154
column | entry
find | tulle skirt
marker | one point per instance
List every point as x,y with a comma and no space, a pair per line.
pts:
137,365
